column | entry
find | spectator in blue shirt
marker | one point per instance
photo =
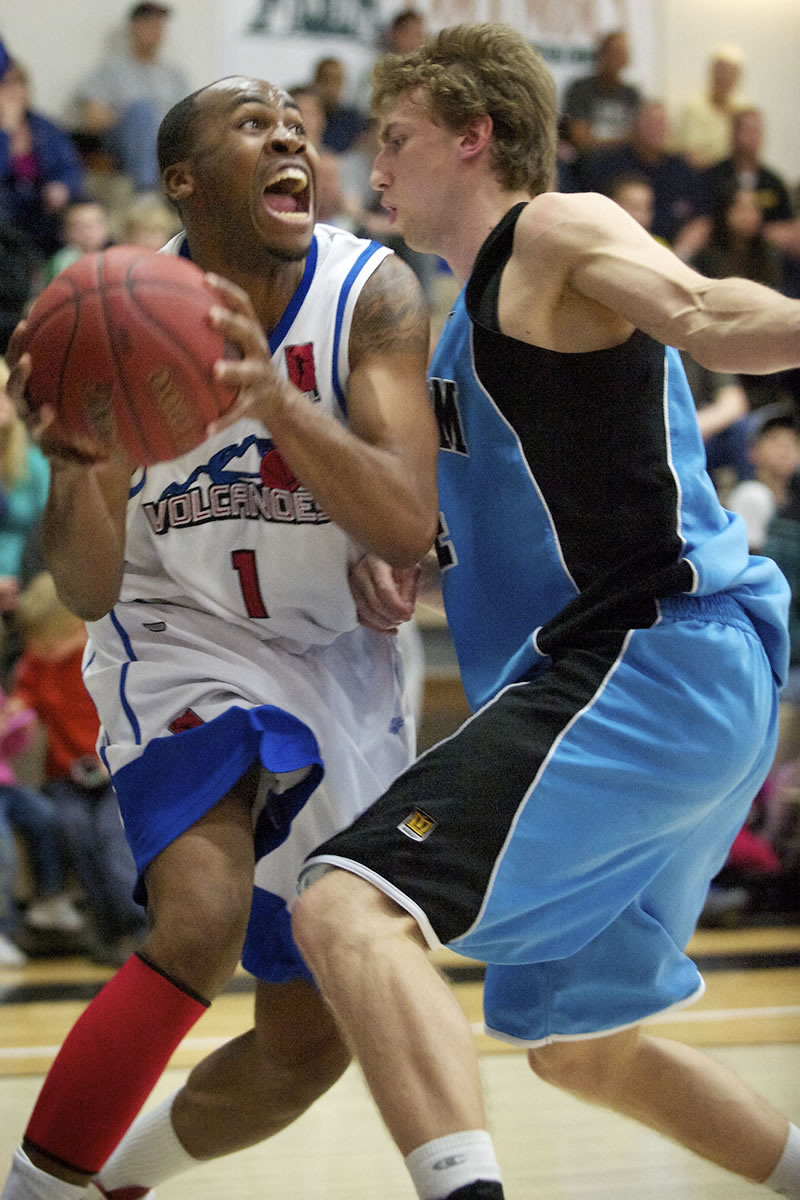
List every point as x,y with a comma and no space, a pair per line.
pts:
679,203
40,170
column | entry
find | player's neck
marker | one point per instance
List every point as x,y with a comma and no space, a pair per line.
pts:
269,282
270,292
462,241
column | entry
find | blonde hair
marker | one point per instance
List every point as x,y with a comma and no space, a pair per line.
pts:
467,71
149,215
40,613
13,442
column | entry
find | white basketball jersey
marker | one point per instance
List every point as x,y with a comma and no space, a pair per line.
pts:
226,528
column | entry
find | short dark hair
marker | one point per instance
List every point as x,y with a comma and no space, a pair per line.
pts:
764,427
140,11
175,140
405,16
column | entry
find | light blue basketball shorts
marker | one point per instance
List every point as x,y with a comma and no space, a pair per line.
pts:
566,835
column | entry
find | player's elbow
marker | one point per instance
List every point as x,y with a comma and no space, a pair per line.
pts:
86,597
408,545
88,608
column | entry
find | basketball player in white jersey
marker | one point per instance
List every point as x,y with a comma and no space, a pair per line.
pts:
245,713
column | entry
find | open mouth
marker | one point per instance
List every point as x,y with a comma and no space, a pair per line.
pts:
287,194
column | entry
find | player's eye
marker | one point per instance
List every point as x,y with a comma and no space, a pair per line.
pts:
253,122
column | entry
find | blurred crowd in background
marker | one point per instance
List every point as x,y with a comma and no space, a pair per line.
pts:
700,184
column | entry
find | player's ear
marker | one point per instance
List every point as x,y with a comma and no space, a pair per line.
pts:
476,136
178,181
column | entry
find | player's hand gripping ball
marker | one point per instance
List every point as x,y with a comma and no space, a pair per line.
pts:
122,350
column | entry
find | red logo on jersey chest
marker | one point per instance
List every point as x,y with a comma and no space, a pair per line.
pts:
302,372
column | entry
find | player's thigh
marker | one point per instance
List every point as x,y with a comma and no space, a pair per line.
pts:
206,872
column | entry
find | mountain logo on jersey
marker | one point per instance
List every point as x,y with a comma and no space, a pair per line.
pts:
301,369
236,485
444,398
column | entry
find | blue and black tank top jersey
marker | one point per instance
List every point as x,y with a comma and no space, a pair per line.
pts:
573,493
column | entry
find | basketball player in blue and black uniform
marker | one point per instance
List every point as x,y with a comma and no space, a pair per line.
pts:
245,712
620,648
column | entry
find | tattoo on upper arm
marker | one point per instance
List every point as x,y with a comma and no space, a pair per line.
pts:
391,314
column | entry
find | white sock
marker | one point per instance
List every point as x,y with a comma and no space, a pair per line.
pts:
27,1182
149,1153
785,1179
439,1167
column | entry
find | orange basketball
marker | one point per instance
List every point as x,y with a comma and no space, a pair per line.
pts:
121,348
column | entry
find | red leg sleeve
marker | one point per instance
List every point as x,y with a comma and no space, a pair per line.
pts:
109,1064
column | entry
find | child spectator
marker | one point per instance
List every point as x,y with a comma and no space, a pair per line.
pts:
85,232
48,679
723,415
148,223
28,812
775,454
10,953
634,193
24,480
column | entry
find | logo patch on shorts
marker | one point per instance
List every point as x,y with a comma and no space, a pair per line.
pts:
417,825
187,720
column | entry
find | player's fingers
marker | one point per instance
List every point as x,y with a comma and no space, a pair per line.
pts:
375,594
407,582
249,375
243,336
371,617
17,385
36,420
39,422
394,589
240,328
14,348
376,627
231,295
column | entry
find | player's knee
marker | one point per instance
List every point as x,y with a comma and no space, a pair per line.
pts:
591,1068
320,908
338,910
199,939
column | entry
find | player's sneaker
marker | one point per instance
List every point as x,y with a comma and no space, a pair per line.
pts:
125,1193
482,1189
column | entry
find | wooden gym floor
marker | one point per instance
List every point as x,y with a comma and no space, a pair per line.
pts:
550,1145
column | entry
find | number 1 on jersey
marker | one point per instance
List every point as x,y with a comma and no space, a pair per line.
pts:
244,563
